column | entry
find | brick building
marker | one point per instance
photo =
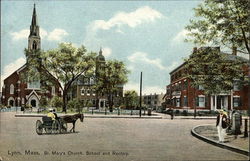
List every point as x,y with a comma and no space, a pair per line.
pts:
181,95
153,100
84,88
16,92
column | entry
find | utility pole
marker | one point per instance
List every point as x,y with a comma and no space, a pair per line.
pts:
140,92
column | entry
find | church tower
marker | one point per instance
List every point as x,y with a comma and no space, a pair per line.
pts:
34,41
100,63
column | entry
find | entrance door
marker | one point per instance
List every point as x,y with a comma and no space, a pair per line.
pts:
222,102
102,104
11,103
33,103
219,102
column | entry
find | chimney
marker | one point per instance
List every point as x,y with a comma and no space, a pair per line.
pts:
234,52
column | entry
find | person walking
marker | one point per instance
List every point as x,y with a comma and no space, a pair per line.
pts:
221,125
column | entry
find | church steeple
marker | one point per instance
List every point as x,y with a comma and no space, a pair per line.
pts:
34,18
100,57
100,52
34,42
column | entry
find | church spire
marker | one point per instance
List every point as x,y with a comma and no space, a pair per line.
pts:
34,41
34,19
34,28
100,52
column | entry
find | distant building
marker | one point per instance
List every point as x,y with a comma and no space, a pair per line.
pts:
16,92
84,88
153,100
181,95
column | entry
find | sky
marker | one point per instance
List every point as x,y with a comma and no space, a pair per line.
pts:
146,35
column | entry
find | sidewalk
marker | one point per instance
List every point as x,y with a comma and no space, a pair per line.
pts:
235,143
94,116
167,116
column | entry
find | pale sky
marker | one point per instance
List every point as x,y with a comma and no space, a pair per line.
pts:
147,35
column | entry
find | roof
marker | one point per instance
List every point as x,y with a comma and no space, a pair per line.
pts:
177,68
228,56
234,57
17,71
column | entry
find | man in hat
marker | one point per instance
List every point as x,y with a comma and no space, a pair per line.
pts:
221,125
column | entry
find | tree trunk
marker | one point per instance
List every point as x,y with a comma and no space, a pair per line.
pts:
64,102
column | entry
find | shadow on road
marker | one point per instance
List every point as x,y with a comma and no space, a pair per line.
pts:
67,133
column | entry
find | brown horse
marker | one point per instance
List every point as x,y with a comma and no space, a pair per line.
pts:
72,119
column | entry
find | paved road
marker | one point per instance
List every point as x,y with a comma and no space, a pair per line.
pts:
99,139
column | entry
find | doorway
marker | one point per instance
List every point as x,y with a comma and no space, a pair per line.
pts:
222,102
33,103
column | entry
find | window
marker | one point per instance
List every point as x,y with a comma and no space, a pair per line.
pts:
155,102
236,102
94,102
34,85
11,89
236,86
201,101
200,87
23,101
53,90
82,91
34,46
185,101
185,85
92,81
177,102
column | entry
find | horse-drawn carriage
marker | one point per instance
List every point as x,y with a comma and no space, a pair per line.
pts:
58,125
50,126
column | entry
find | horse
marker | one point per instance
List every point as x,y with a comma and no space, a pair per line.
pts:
72,119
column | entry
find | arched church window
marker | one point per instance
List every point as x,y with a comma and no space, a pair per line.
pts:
11,89
34,45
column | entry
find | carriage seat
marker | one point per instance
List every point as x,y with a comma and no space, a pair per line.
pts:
47,120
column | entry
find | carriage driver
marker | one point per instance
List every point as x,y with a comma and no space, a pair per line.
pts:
51,114
54,112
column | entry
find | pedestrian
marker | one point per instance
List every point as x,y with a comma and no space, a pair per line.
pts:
172,114
221,125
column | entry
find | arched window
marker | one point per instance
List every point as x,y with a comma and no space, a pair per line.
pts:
11,89
34,45
53,91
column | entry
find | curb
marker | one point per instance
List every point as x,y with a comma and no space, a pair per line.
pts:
201,118
125,117
95,116
221,145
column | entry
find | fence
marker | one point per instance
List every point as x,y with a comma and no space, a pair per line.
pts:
11,109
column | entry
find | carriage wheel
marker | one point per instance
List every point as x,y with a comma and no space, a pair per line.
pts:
39,127
64,127
56,128
48,130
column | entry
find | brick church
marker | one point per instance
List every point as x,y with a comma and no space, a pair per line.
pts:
16,92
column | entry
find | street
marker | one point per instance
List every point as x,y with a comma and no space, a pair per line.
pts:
98,139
